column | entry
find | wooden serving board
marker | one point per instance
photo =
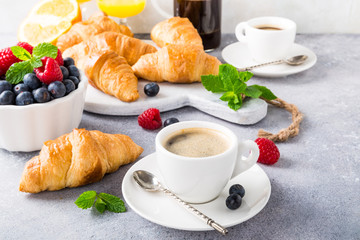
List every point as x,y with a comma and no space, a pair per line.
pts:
173,96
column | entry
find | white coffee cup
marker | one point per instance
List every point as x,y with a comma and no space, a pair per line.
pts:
200,180
267,45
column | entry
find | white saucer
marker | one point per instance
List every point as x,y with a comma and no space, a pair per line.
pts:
238,55
164,210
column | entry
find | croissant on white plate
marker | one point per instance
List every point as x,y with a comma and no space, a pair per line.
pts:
176,63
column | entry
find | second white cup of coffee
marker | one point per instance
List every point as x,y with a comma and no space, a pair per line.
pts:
197,158
268,38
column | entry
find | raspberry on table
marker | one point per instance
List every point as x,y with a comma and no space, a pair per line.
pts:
269,153
150,119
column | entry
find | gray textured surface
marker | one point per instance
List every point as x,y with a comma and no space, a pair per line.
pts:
315,184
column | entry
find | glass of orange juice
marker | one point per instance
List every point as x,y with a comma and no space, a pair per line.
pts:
121,9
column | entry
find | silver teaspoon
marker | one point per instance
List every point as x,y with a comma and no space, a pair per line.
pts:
293,61
150,183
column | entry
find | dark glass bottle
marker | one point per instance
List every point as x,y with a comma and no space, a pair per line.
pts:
205,15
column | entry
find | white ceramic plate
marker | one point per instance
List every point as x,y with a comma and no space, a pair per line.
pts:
164,210
238,55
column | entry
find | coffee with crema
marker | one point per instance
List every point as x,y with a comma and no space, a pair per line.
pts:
196,142
268,27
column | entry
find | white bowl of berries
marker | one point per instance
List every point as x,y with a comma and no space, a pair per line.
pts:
41,103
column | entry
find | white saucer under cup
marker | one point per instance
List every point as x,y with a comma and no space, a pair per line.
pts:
238,55
167,212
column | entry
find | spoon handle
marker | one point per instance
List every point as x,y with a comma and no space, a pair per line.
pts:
260,65
208,220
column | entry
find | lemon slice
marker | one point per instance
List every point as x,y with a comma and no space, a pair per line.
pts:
48,20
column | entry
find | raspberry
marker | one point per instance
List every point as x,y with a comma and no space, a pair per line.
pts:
26,46
7,58
269,153
150,119
49,72
59,58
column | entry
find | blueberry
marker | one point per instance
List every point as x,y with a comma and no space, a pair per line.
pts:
65,72
24,98
7,97
57,89
68,61
75,80
237,188
21,87
33,91
69,85
233,201
5,85
73,71
151,89
32,81
41,95
170,121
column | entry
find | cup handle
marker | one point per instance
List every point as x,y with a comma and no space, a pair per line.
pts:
240,32
244,163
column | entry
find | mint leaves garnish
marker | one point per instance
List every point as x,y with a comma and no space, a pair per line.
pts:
104,201
20,53
17,71
233,85
45,50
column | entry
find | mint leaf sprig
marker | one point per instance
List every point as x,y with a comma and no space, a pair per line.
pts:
233,85
101,201
15,74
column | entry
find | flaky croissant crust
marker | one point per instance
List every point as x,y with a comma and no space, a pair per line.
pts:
176,63
111,74
176,30
129,48
76,159
82,31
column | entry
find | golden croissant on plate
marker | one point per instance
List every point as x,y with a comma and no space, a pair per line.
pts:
129,48
78,158
176,63
110,73
94,25
176,30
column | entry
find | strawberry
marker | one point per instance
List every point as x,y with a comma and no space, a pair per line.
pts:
150,119
269,153
49,72
59,58
7,58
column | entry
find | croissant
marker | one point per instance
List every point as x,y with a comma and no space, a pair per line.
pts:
110,73
176,63
130,48
78,158
176,30
94,25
